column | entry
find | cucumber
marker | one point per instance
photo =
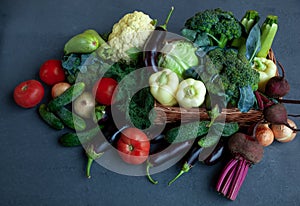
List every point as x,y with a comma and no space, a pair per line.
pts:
67,97
187,131
72,139
192,130
50,118
71,119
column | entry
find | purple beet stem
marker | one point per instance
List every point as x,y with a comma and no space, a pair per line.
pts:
227,169
232,178
259,100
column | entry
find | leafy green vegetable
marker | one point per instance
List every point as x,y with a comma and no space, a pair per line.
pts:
247,99
178,56
253,43
136,105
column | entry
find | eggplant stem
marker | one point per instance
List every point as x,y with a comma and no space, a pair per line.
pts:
148,173
177,176
88,167
185,168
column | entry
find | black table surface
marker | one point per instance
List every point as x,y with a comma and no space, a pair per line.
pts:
36,170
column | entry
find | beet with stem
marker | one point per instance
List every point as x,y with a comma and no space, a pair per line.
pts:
277,114
277,86
246,151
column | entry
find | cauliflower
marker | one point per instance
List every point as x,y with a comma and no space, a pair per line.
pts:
131,31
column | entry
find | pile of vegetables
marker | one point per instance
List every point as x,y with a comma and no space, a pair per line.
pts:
218,56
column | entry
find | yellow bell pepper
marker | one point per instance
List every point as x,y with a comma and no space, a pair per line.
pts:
163,87
266,68
191,93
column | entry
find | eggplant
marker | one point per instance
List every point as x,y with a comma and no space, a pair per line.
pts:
167,154
109,136
193,157
154,44
216,155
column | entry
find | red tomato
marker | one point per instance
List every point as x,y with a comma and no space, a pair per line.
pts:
29,93
59,88
133,146
51,72
104,90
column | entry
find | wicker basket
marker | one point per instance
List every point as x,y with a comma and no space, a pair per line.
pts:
175,114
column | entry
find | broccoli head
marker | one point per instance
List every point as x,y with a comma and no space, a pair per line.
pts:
226,72
220,26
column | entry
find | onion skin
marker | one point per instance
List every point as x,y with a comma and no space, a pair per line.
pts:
282,133
264,135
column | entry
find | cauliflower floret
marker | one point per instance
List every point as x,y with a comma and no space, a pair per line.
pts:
131,31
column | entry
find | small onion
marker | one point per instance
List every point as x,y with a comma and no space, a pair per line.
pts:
264,134
282,133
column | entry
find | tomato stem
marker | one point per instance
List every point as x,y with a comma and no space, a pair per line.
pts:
131,148
24,88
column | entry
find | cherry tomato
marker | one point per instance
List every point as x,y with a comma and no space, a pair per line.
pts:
133,146
29,93
104,90
51,72
59,88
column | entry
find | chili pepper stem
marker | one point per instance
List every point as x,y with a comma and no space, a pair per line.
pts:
148,173
186,167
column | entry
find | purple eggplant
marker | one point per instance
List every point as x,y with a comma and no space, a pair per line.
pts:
165,155
193,157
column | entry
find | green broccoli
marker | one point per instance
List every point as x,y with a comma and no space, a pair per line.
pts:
220,26
226,72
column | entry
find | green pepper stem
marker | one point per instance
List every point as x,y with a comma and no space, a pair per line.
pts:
88,167
259,65
148,173
190,91
164,26
184,169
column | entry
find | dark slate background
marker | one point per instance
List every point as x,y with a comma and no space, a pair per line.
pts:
36,170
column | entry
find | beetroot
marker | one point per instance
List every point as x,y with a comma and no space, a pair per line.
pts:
277,114
277,86
246,151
